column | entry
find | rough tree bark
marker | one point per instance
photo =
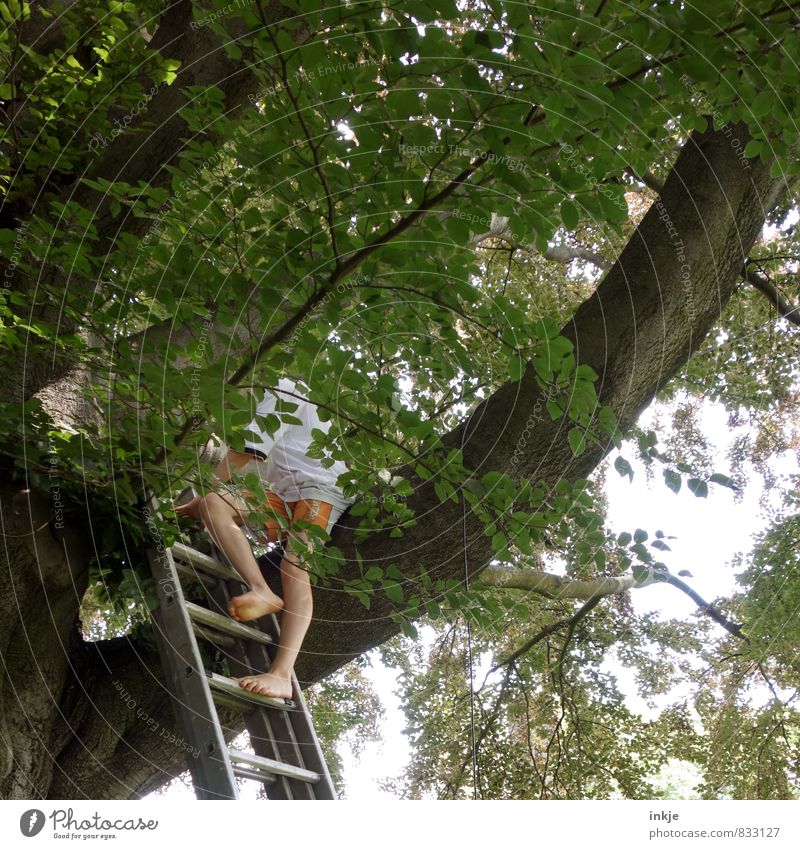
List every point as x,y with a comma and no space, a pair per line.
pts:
64,729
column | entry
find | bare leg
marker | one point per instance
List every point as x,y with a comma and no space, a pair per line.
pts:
298,607
222,521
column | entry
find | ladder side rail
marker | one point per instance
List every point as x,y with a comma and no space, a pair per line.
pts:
309,742
285,739
212,772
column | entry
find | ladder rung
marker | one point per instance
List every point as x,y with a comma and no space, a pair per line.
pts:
228,626
229,687
265,777
223,701
191,574
215,637
274,767
203,561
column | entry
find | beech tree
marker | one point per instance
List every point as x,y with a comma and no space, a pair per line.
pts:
199,198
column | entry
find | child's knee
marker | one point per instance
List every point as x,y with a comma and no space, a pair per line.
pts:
213,506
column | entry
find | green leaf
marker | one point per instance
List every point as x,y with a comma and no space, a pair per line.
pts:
584,372
672,480
394,591
698,487
639,535
554,409
723,480
408,629
569,214
359,594
624,538
577,441
623,467
753,148
516,366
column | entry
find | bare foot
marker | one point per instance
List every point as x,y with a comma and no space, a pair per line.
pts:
267,684
253,605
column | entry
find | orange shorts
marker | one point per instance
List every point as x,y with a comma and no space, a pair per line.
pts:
313,511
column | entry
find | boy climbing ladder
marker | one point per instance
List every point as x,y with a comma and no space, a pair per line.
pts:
301,489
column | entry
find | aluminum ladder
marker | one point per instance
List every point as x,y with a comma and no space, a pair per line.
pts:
286,756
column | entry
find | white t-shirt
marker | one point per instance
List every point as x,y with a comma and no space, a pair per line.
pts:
291,473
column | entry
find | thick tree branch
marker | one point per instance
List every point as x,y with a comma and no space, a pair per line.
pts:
749,274
558,587
553,586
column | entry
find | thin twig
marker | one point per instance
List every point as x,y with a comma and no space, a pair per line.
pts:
550,629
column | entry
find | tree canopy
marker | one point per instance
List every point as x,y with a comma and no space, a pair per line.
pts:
486,235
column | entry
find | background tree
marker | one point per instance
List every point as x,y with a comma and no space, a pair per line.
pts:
195,204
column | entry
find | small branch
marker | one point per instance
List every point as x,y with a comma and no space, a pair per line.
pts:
556,253
784,308
331,216
706,607
430,297
556,587
564,253
550,629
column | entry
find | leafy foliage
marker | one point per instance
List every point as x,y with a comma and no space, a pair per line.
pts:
332,237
